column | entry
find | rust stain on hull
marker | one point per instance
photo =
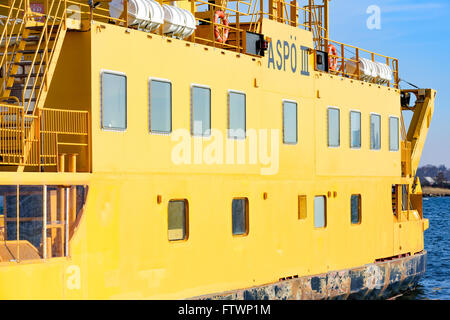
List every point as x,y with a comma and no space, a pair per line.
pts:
380,280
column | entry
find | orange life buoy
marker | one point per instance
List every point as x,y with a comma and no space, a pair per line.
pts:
332,57
220,14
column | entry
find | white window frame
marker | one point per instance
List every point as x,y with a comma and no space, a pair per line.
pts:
192,109
150,79
370,134
325,214
118,73
398,133
350,128
228,114
296,120
359,208
328,127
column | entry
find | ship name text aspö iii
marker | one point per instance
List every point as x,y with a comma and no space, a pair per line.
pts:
203,149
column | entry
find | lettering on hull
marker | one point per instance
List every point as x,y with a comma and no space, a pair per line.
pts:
288,57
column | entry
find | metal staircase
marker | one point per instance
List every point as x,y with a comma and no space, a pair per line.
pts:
30,45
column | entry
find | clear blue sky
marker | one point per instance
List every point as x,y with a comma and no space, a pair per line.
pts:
417,32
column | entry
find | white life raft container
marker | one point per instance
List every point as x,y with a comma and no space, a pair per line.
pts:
146,14
369,70
178,22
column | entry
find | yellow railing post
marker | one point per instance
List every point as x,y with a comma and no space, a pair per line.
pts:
125,10
27,10
18,229
357,64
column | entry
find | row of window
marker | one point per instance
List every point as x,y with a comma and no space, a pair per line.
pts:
178,215
334,137
114,97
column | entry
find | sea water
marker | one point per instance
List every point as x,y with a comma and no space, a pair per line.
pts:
435,285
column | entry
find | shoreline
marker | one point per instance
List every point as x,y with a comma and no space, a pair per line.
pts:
435,192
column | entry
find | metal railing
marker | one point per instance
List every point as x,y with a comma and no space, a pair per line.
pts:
13,27
62,121
17,25
348,62
247,15
32,140
243,15
11,134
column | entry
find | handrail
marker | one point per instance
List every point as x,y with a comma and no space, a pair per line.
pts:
287,13
31,139
7,38
11,118
36,135
360,49
353,57
48,34
63,121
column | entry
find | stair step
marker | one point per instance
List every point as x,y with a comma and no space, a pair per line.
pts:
40,28
32,51
10,101
33,75
36,39
28,63
21,87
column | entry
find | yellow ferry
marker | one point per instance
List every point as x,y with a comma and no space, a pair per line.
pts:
199,149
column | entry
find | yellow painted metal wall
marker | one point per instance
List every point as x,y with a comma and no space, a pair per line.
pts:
121,250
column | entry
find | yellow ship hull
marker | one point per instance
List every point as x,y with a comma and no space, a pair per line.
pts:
119,247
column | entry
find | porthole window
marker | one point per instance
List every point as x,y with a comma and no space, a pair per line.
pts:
355,208
320,212
177,218
239,216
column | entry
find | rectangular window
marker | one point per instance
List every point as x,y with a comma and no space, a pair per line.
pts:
405,193
201,111
375,132
302,213
177,220
160,106
355,129
239,216
320,212
31,212
114,101
393,134
236,115
355,205
334,139
40,217
289,122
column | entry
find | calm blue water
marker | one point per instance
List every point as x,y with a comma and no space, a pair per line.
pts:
436,282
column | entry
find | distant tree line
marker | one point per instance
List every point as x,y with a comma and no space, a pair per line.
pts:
440,175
